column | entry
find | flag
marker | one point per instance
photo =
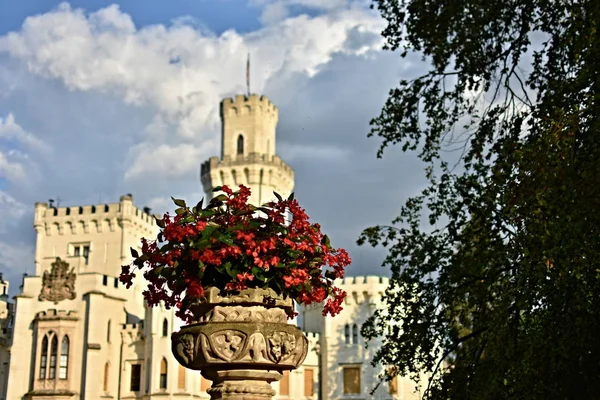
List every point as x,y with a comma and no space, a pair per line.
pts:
248,74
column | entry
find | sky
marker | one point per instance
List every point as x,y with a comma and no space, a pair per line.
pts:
99,99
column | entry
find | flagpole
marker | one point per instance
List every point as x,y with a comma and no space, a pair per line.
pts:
248,74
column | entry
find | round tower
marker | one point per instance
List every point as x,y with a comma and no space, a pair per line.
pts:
248,156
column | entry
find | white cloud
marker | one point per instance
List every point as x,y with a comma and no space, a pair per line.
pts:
11,130
164,160
16,148
179,71
131,109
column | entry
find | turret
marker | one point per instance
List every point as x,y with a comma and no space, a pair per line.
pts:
248,156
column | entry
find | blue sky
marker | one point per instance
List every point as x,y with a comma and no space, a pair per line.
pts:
91,108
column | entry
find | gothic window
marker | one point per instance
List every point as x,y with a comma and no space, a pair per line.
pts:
106,372
347,334
165,328
44,357
64,358
240,145
354,334
163,374
53,356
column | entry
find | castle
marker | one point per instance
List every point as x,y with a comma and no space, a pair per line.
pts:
74,332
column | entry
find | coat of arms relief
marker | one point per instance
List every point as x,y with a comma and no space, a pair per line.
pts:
59,283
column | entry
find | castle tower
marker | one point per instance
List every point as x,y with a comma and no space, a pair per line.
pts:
248,156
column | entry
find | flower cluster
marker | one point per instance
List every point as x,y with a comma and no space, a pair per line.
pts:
233,245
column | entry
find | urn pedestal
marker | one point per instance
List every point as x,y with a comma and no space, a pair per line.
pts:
242,342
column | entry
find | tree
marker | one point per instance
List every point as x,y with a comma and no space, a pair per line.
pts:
499,296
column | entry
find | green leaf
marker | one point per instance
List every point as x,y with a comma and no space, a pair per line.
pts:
134,252
160,222
217,189
178,202
278,196
180,211
199,205
291,196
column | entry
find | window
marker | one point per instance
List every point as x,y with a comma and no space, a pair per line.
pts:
136,377
347,334
354,334
106,373
76,251
181,377
240,145
105,280
165,328
108,332
64,358
284,384
53,355
351,380
309,382
44,357
163,374
86,254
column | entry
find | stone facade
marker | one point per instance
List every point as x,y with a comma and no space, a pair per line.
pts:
347,370
78,333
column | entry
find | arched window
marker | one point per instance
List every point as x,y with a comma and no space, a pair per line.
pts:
64,358
53,355
347,334
44,357
108,331
106,373
354,334
240,145
165,331
163,374
181,378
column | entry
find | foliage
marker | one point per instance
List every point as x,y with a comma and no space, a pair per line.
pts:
499,297
233,245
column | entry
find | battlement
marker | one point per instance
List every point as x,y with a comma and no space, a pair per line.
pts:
249,161
132,333
90,218
312,336
54,315
243,105
133,327
364,280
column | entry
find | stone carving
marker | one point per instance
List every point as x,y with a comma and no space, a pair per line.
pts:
227,345
184,348
282,345
257,349
245,314
241,342
59,283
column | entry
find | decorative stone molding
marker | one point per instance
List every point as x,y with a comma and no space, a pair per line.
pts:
242,343
59,283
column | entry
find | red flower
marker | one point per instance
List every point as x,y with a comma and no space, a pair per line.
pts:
230,239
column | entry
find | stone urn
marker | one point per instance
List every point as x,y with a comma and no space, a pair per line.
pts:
242,342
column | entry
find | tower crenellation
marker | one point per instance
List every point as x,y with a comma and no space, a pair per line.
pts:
91,238
248,147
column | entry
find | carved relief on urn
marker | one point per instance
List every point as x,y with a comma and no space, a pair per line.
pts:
240,337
